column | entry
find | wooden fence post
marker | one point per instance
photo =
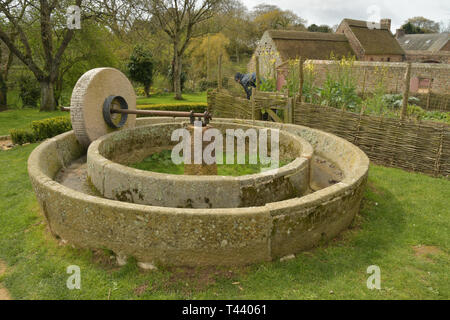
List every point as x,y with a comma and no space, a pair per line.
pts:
406,91
275,76
301,79
429,94
293,107
253,104
364,83
208,62
257,73
219,74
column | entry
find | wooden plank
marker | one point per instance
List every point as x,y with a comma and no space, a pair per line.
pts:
219,74
258,78
406,91
274,116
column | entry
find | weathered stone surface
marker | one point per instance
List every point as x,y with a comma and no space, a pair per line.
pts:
191,237
119,182
88,96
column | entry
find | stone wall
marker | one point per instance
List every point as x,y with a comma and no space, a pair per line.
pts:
428,57
114,180
383,58
200,237
268,57
367,74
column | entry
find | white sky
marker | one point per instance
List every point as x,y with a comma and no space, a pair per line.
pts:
331,12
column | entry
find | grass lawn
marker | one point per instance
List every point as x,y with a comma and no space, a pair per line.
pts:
403,228
162,162
167,98
22,118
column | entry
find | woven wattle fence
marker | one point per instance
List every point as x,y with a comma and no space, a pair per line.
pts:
421,146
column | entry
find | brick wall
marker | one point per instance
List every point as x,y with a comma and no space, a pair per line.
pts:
426,56
383,58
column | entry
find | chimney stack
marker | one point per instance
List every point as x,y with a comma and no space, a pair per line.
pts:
386,23
400,33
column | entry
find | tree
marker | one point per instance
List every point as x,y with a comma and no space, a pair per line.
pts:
180,20
445,27
322,28
93,46
420,25
6,58
140,67
216,46
271,17
43,58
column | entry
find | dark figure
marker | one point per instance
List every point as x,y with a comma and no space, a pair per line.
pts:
247,81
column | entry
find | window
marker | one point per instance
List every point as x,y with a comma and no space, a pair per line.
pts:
388,59
423,84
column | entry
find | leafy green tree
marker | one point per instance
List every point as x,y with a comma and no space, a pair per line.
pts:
42,39
272,17
208,49
420,25
29,91
93,46
140,67
411,29
180,20
5,63
322,28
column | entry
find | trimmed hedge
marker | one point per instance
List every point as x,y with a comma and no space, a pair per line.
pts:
41,130
48,128
196,107
21,136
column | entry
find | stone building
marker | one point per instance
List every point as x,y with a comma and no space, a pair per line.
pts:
425,48
372,41
279,46
365,40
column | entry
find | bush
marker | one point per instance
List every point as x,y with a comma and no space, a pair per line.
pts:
416,112
29,91
41,130
212,84
21,136
140,67
268,85
437,116
396,100
48,128
140,92
196,107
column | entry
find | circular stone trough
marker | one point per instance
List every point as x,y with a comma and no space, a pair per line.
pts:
203,236
117,181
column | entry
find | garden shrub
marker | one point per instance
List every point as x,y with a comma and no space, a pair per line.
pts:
21,136
396,100
204,84
41,130
268,85
48,128
29,91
